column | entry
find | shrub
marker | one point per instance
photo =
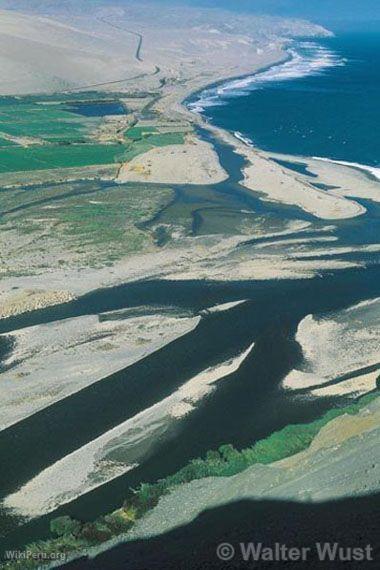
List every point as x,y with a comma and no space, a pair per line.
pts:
95,532
121,520
63,526
72,536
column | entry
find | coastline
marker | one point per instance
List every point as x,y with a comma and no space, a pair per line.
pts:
286,56
279,184
253,265
263,176
145,265
179,102
199,164
177,263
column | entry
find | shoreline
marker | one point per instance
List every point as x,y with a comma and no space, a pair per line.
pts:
332,205
280,55
263,176
286,57
163,264
89,343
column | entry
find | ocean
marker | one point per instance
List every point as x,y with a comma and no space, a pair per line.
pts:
323,102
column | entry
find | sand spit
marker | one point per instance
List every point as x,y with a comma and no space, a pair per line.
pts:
349,179
297,241
261,268
334,251
282,185
335,345
223,307
357,386
194,162
53,360
118,450
31,300
341,462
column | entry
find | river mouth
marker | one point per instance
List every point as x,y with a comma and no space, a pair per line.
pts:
248,403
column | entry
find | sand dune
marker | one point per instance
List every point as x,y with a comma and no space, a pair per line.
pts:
39,54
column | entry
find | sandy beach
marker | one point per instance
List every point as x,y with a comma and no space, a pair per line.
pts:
279,184
349,180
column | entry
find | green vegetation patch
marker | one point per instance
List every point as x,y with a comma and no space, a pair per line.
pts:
149,142
228,461
137,133
45,122
49,135
86,223
152,137
164,139
73,536
42,157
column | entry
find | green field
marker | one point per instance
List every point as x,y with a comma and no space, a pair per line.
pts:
137,133
146,142
41,157
46,122
54,221
44,134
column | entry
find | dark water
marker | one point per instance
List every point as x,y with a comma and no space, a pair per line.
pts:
247,406
250,404
97,108
325,103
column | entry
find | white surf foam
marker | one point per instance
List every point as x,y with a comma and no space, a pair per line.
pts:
307,58
373,170
243,138
311,62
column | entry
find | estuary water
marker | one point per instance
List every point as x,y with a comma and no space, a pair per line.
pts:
322,102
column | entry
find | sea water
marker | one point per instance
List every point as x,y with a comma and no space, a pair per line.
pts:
322,102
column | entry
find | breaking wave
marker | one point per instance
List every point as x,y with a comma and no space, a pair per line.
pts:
373,170
306,58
